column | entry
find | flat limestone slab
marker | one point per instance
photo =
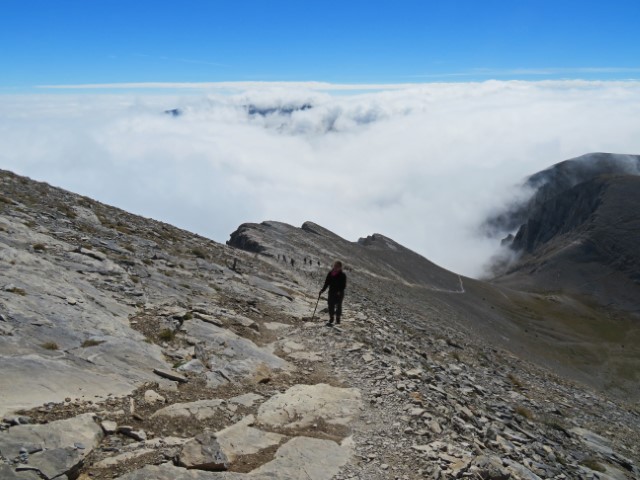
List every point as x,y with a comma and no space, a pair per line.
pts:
167,471
62,444
305,458
200,410
123,457
243,439
301,405
307,356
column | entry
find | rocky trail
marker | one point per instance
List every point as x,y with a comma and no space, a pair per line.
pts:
130,349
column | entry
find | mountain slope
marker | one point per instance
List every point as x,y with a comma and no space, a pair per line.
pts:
131,349
584,241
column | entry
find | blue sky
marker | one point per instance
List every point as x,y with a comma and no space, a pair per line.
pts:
84,42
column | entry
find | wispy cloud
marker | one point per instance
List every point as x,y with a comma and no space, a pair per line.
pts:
518,72
317,86
323,86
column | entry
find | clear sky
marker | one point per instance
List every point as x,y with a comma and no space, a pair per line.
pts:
49,42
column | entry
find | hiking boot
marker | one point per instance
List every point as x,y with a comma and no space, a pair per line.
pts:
328,324
338,321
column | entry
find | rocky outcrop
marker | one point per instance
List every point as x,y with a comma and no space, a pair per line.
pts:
558,179
573,241
51,450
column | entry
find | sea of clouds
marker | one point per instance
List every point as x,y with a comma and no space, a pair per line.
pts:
422,164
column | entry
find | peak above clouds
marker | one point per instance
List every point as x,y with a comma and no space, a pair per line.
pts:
422,164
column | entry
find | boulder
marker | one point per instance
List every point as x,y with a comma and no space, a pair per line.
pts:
304,458
8,473
242,439
489,468
59,447
203,453
302,405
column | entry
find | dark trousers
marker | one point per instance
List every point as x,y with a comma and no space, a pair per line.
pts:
335,306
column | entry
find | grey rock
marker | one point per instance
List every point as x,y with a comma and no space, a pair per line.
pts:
56,450
168,471
489,468
199,410
242,439
268,286
109,427
305,458
170,375
203,453
9,473
301,405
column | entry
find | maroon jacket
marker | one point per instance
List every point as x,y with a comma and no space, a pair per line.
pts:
336,284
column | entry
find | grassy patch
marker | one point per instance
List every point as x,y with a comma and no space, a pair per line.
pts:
123,229
593,464
39,247
67,211
556,425
167,335
524,412
17,291
50,346
129,247
199,252
515,381
91,343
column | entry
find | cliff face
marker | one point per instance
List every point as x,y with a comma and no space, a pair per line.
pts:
583,241
553,181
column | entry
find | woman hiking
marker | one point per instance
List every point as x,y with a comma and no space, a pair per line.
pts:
336,282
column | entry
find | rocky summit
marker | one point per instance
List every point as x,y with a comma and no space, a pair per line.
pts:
130,349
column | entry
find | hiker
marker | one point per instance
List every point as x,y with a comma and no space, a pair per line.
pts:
336,282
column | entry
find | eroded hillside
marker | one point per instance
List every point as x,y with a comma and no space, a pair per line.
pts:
131,349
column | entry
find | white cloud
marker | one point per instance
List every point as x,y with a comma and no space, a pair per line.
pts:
423,164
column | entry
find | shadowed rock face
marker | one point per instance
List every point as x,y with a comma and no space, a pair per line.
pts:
584,241
555,180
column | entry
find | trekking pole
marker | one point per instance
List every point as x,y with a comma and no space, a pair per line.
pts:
314,310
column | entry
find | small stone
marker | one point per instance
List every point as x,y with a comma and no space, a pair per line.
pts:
128,431
109,427
170,375
414,373
435,427
152,397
